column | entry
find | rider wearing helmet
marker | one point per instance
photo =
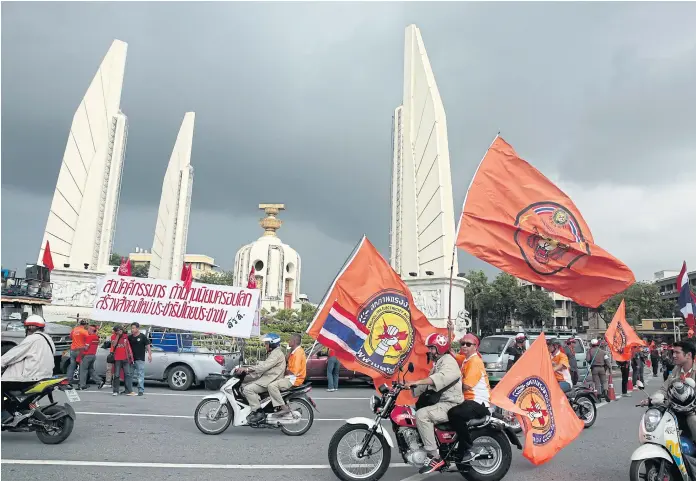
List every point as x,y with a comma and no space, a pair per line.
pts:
477,395
676,389
445,380
268,371
29,362
561,365
516,350
599,366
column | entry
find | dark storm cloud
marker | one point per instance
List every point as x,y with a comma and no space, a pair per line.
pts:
293,102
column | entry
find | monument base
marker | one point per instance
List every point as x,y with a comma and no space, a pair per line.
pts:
74,291
431,296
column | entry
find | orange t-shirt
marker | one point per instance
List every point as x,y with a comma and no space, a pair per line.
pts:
297,365
475,376
78,336
561,359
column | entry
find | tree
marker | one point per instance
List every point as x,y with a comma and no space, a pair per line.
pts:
225,278
643,301
140,270
115,259
307,313
536,308
503,299
475,294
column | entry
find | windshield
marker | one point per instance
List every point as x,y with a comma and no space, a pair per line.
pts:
493,345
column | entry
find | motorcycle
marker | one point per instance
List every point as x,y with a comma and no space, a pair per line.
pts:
229,406
584,402
664,454
372,443
52,423
508,417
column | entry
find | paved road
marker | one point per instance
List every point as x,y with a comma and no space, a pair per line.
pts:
114,434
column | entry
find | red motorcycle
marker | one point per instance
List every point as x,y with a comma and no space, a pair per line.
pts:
361,448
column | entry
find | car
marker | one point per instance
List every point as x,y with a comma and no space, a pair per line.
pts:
580,352
317,361
180,370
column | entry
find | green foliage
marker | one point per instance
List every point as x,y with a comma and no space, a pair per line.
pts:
643,301
536,308
225,278
115,259
140,270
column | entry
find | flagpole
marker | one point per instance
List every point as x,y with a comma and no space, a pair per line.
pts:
459,225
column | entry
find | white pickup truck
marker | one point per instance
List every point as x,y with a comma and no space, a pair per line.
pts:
181,370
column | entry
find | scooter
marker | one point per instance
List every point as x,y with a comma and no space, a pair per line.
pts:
229,406
664,454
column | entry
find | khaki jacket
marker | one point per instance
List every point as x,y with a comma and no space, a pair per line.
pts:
271,369
444,371
31,360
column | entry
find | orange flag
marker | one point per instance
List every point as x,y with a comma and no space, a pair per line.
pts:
621,337
370,320
531,390
517,220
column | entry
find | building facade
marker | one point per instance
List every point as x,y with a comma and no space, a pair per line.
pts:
171,228
277,266
666,282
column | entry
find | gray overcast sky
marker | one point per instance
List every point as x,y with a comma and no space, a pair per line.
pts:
293,104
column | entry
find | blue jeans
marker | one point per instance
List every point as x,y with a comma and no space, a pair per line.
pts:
73,364
332,369
139,375
565,386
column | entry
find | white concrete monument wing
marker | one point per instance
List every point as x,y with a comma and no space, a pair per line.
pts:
171,229
422,230
81,221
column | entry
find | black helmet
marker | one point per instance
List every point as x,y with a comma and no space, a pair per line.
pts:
682,396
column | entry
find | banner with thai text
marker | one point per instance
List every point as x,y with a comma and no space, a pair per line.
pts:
205,308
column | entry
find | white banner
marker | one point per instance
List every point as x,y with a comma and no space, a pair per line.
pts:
256,329
208,308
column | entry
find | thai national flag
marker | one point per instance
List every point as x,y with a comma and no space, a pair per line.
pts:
342,332
687,300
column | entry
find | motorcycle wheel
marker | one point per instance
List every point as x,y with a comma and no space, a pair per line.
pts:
204,403
63,427
488,469
303,406
358,432
652,469
591,416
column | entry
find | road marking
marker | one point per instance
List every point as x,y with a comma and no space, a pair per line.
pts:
147,394
56,462
142,415
419,477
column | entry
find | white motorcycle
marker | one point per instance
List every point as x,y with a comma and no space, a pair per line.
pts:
664,454
216,412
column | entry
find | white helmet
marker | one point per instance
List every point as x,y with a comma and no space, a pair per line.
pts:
594,342
34,320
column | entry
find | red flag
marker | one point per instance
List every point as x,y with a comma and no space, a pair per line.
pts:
531,390
368,292
621,337
125,267
47,259
251,283
187,276
519,221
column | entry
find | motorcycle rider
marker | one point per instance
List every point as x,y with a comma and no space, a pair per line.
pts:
569,349
599,365
295,375
28,362
445,379
683,353
516,350
561,365
477,396
269,370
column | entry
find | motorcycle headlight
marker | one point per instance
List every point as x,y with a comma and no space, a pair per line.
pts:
375,403
651,419
494,365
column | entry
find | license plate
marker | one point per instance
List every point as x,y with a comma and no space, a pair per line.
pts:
73,397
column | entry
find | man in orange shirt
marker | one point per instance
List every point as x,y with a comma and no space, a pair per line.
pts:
295,375
477,395
561,365
78,335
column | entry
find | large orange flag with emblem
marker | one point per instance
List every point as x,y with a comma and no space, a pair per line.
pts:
370,320
519,221
621,337
531,390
